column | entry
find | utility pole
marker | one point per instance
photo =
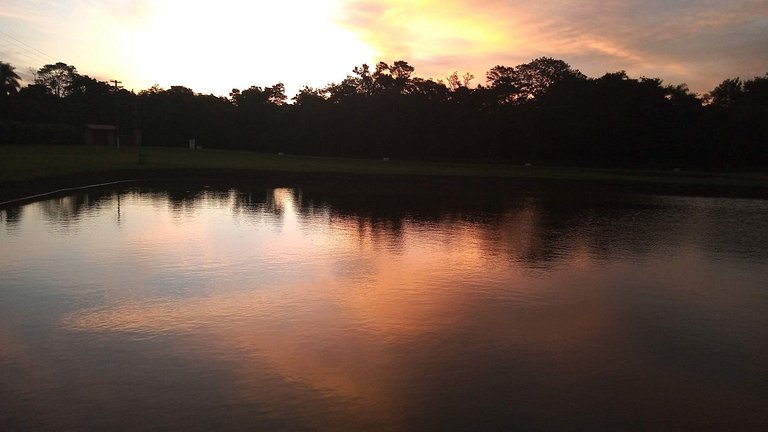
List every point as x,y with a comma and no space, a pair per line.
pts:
136,132
117,111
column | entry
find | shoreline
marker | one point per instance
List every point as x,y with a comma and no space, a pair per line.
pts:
30,172
18,193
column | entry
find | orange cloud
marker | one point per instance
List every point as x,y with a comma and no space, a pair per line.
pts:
315,43
437,36
679,42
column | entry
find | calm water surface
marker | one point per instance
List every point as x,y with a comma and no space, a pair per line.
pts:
289,309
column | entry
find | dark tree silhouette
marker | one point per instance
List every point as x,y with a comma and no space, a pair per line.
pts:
542,112
310,96
57,78
529,80
9,80
727,92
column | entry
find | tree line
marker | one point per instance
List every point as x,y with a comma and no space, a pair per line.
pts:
541,112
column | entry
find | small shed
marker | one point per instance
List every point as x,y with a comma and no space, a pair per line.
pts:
100,134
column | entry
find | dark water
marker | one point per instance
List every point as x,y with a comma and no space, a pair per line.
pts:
284,309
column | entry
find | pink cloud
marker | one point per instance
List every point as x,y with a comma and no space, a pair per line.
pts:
699,42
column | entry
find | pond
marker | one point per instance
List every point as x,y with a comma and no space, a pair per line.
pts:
315,308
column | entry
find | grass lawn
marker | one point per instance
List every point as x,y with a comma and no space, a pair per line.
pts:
35,163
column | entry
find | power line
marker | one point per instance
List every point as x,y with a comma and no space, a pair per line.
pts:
28,47
15,56
13,51
19,49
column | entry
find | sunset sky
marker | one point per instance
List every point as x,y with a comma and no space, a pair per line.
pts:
212,47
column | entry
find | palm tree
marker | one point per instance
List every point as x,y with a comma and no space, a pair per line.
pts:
9,80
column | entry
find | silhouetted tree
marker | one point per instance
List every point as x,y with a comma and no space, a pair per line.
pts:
257,112
727,92
739,133
310,96
171,117
9,80
544,112
57,78
93,101
529,80
502,85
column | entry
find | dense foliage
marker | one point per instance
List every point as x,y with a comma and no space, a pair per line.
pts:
542,112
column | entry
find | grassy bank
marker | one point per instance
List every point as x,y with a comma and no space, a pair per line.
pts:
20,165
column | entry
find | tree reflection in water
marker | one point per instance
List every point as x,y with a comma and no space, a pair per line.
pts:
367,308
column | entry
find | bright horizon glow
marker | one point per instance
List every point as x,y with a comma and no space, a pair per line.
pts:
210,48
214,47
215,50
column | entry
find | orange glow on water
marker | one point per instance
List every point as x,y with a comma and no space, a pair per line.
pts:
341,314
376,296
